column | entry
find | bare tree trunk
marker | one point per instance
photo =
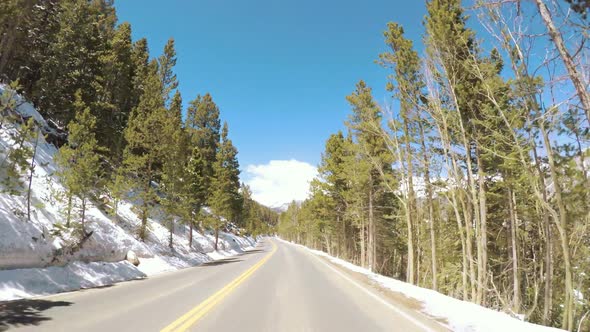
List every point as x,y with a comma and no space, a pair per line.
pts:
371,230
410,272
429,202
573,72
190,234
476,289
568,318
363,246
440,120
69,213
83,215
483,233
463,247
171,231
548,290
31,173
145,206
216,237
514,245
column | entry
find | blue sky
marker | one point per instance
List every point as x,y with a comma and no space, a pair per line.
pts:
279,70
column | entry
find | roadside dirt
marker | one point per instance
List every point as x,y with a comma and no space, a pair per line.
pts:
395,298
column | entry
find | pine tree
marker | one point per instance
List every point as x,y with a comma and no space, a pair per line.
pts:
16,161
167,61
146,143
174,168
365,123
226,184
73,61
203,126
140,59
196,188
248,214
408,86
116,93
25,38
333,181
79,160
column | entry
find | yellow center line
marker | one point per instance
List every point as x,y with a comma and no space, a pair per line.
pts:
191,317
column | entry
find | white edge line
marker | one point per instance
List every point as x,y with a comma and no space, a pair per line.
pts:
377,298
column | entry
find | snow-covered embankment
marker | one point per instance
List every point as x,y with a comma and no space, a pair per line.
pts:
38,257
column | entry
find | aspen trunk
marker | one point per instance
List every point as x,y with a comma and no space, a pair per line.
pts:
362,240
483,233
548,289
31,173
410,273
514,251
574,74
216,237
83,215
425,159
371,230
69,213
568,317
190,234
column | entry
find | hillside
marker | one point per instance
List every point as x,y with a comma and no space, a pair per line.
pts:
39,256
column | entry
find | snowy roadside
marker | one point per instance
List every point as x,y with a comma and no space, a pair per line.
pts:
460,315
39,256
32,282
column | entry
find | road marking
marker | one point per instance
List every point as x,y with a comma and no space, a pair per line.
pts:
190,318
376,297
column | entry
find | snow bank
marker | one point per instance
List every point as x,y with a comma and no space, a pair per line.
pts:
21,283
460,315
37,258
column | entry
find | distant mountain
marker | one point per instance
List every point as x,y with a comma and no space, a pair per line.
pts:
283,207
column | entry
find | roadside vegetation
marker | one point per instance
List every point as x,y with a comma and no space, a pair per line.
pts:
473,180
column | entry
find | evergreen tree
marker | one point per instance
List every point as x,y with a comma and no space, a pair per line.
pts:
196,188
140,59
203,126
116,93
248,216
167,61
225,185
72,61
174,168
332,172
365,124
78,160
146,143
16,160
25,37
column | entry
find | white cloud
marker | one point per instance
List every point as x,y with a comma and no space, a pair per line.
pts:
280,181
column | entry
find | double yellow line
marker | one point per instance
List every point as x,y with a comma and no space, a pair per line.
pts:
190,318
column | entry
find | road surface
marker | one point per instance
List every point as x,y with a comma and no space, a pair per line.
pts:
275,287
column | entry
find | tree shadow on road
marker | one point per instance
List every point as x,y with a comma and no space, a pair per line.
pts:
221,262
26,312
254,251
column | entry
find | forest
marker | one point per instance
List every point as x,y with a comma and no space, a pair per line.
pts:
473,179
117,117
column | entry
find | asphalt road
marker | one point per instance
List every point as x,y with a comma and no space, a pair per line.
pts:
275,287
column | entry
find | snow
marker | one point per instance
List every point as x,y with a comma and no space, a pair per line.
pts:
21,283
460,315
37,260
